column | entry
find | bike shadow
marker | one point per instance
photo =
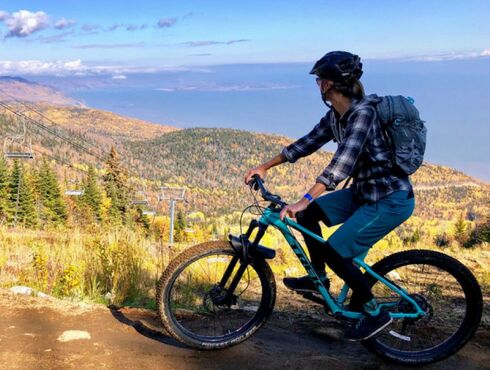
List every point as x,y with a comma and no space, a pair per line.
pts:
144,326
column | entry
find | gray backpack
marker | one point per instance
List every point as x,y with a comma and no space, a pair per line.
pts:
405,131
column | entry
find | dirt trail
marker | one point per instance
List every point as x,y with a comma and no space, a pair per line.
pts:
132,339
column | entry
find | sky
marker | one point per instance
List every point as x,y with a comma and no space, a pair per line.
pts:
244,64
66,36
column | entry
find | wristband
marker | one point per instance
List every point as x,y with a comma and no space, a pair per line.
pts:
309,197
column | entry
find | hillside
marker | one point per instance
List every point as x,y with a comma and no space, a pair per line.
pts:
17,88
213,162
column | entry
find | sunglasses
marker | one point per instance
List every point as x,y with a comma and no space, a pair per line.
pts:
318,81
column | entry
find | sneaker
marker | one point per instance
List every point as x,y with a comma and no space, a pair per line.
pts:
368,326
303,284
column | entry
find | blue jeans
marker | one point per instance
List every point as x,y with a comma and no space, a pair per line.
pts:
363,224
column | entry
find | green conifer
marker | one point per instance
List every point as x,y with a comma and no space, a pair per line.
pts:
115,183
52,206
92,197
21,199
4,190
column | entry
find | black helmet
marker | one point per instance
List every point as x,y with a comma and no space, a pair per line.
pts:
339,66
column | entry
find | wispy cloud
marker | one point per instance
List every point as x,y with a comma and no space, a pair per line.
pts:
439,57
227,88
60,37
200,55
167,22
64,23
78,68
127,26
109,46
89,27
24,23
195,44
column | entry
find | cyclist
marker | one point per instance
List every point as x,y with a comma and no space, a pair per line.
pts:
378,200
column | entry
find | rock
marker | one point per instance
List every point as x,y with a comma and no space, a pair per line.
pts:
70,335
44,296
24,290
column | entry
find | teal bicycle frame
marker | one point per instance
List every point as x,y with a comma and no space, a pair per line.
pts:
271,217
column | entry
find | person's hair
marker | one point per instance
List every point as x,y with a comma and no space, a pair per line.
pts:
353,90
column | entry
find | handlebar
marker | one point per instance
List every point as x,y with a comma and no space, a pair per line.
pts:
258,184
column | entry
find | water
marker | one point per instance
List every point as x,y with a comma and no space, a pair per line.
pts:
283,99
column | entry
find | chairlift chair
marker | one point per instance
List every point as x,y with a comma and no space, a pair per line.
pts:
141,199
74,192
19,142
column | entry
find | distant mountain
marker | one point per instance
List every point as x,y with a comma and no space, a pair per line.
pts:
18,88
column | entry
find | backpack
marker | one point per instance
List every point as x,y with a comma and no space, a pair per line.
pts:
404,130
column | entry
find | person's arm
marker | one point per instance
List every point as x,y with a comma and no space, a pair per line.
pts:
345,158
311,142
318,136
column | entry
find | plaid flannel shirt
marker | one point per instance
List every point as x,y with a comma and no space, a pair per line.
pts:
362,152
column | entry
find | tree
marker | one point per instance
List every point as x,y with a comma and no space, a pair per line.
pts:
92,197
21,200
52,206
460,234
115,183
4,190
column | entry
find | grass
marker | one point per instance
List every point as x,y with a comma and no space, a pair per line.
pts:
122,267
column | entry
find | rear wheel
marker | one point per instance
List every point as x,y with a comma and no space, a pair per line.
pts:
444,288
198,311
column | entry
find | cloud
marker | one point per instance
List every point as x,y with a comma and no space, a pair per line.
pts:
37,67
127,26
119,77
109,46
88,27
166,22
24,23
60,37
227,88
440,57
195,44
78,68
64,23
200,55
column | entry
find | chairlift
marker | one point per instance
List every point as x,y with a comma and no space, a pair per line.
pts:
75,193
140,199
17,146
73,189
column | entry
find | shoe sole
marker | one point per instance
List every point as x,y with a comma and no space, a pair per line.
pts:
374,333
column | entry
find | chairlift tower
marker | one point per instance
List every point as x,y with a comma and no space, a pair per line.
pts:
173,195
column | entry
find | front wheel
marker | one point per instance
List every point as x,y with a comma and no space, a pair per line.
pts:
201,309
447,292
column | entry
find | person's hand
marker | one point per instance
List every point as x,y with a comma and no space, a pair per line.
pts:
291,209
261,171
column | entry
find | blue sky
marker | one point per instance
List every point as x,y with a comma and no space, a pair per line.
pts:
163,34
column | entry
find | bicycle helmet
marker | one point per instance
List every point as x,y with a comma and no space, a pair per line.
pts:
341,67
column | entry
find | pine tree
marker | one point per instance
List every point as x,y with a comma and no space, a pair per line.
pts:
52,206
460,232
92,197
115,182
4,190
21,199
